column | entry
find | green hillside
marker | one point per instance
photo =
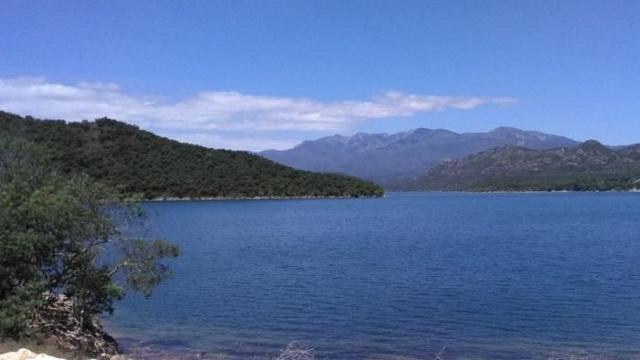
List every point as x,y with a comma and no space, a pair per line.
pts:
134,161
590,166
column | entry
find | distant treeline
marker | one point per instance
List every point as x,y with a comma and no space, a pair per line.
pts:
134,161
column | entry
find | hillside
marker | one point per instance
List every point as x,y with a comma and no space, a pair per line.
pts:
590,166
137,161
389,158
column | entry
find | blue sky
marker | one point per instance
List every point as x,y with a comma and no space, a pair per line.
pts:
268,74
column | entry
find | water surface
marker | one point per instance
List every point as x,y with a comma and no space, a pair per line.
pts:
485,276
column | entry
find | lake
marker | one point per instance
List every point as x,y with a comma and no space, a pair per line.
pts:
477,276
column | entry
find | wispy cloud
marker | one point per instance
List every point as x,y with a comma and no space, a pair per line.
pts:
218,111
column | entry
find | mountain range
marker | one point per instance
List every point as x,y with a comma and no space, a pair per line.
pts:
392,159
134,161
589,166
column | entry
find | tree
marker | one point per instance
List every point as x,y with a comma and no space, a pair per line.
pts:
134,161
67,235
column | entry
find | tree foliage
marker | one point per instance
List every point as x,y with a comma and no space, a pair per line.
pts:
138,162
55,230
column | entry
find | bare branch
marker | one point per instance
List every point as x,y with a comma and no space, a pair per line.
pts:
296,351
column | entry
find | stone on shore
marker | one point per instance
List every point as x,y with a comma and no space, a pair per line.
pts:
25,354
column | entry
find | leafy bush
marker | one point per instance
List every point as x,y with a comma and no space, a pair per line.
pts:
54,230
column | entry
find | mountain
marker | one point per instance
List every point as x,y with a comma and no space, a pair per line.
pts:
389,158
589,166
137,161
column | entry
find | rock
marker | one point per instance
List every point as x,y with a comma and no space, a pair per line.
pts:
57,326
119,357
24,354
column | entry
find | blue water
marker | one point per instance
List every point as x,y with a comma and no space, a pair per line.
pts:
482,276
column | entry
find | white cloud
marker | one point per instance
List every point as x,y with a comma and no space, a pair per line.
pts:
217,110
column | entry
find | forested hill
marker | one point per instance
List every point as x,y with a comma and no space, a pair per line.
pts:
134,161
590,166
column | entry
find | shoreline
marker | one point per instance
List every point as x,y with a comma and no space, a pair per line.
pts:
518,191
257,198
233,198
303,351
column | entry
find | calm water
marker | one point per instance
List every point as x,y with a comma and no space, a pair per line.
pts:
488,276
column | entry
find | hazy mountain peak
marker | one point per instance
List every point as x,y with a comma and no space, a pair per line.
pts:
515,132
387,158
333,139
506,129
363,135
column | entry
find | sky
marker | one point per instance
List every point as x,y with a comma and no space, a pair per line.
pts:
256,75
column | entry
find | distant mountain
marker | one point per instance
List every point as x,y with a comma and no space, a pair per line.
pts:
389,158
136,161
589,166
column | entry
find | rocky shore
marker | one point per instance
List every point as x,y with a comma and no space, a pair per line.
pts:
26,354
60,338
55,327
293,351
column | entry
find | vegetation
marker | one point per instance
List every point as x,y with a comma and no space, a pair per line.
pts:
587,167
54,231
133,161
